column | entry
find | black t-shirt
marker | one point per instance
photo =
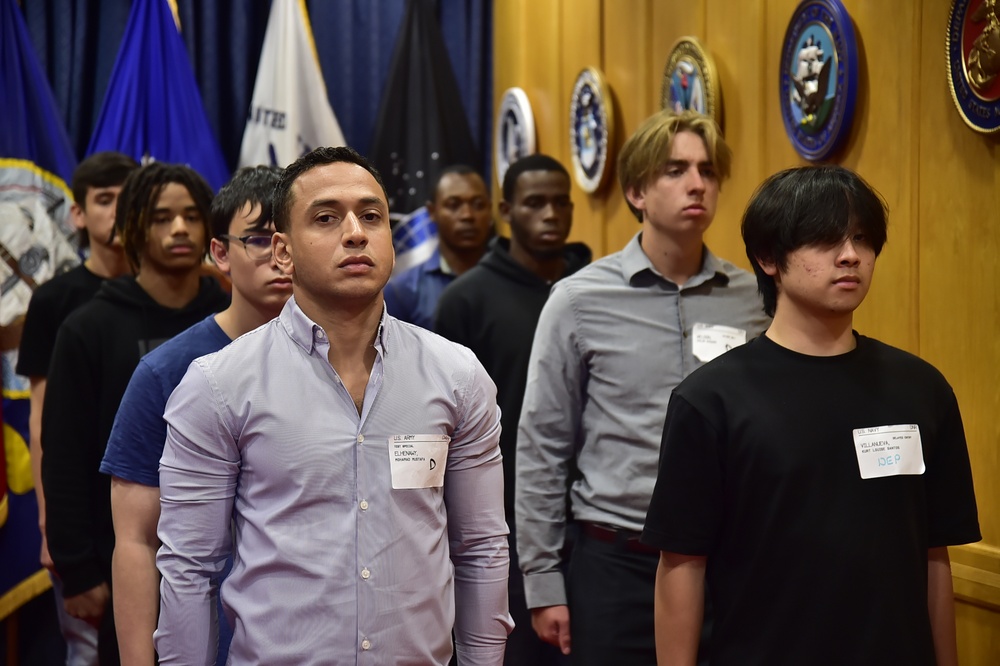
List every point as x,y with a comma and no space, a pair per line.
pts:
808,562
50,304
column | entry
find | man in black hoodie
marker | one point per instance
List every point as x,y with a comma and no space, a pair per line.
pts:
162,218
493,309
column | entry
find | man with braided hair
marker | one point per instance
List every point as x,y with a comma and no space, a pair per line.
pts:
162,220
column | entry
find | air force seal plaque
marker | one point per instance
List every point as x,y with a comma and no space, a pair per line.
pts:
974,62
515,131
819,77
690,80
590,126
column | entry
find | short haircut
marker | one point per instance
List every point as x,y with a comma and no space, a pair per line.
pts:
645,154
251,185
535,162
138,199
458,170
808,206
319,157
106,169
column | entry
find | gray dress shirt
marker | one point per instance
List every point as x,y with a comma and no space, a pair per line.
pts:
612,343
332,565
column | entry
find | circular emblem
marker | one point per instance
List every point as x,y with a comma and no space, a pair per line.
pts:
515,131
690,80
974,62
819,77
590,123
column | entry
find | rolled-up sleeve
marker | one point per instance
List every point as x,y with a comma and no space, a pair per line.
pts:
198,476
477,530
547,434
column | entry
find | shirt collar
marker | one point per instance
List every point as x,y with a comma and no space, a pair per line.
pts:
436,264
304,331
635,261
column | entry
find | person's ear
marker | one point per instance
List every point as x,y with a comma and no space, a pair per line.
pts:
76,216
768,266
636,197
282,250
220,254
504,210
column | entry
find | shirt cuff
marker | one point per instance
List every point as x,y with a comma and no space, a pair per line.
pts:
545,589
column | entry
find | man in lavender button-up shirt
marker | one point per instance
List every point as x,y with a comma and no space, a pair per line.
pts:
357,454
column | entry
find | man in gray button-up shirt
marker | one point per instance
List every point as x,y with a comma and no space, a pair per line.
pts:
612,343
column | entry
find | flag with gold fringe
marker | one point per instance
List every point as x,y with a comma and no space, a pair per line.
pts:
36,161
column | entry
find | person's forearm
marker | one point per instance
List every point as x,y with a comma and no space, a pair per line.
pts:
136,596
35,444
941,607
679,608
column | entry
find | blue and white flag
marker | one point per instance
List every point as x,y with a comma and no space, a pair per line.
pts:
414,237
290,113
153,110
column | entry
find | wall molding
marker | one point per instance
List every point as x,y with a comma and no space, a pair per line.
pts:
975,574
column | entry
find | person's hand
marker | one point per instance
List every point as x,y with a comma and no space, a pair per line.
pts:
44,556
551,623
89,606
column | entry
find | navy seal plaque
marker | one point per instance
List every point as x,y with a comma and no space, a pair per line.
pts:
819,77
690,81
515,131
590,126
974,62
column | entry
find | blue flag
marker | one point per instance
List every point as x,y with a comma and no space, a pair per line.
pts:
153,109
36,161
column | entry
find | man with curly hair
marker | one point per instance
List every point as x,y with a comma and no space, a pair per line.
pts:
162,219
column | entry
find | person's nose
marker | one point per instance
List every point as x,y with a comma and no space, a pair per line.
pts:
355,234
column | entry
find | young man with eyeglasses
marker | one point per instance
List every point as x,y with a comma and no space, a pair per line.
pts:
241,247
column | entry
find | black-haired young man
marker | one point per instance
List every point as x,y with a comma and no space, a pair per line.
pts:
461,211
96,184
242,226
357,455
493,310
813,477
162,221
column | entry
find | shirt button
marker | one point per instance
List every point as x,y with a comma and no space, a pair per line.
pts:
366,644
366,574
361,439
364,505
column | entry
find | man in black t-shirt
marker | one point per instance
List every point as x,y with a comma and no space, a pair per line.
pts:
814,477
96,184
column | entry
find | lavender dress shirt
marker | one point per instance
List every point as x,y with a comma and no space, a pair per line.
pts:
332,564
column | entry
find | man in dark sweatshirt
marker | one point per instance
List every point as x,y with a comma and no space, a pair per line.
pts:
493,309
162,218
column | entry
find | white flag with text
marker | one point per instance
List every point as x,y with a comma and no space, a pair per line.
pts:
290,113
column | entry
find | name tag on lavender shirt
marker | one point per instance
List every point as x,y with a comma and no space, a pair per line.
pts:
418,461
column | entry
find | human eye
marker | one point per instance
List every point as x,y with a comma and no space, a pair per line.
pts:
192,217
372,217
257,242
479,204
326,218
708,171
161,218
534,202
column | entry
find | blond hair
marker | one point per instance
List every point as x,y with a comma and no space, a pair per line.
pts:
647,151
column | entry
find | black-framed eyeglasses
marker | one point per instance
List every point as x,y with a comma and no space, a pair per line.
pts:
257,247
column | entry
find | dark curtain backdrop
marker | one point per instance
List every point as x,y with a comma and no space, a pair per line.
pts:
77,41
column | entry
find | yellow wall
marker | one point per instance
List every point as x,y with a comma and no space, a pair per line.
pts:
937,291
